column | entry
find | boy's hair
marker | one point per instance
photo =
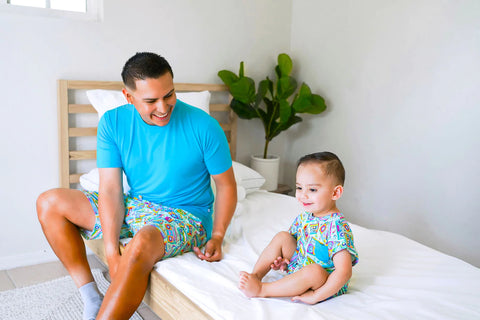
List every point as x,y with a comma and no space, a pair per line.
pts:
332,165
144,65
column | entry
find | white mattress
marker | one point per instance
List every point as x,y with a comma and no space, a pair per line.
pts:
396,278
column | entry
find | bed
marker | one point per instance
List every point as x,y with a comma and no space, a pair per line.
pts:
396,278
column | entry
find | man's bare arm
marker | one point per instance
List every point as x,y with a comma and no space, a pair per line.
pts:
111,209
225,204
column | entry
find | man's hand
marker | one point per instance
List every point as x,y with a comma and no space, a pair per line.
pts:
212,252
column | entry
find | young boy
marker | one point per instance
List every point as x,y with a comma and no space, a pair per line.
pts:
317,252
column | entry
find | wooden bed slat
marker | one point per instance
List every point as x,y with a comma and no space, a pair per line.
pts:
81,108
82,132
75,177
83,155
219,107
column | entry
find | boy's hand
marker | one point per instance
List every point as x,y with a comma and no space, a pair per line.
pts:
280,264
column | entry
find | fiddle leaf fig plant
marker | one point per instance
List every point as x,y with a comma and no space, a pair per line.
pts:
276,102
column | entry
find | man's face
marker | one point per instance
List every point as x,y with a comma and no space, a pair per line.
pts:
154,99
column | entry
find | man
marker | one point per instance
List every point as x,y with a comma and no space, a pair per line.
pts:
168,151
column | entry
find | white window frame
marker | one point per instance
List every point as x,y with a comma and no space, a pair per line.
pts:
94,11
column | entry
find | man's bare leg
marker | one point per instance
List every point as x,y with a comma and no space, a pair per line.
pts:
60,211
130,281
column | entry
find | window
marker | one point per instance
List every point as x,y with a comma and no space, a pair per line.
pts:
69,5
88,9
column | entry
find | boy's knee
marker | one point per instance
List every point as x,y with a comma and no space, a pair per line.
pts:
316,271
284,235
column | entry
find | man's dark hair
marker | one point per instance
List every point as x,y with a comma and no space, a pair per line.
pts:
332,165
144,65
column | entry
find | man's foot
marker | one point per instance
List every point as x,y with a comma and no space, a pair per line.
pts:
92,300
250,285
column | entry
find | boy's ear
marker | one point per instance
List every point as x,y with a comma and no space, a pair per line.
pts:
337,192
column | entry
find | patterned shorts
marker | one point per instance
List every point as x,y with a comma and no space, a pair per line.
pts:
181,230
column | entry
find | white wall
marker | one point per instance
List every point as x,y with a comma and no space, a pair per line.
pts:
199,38
401,79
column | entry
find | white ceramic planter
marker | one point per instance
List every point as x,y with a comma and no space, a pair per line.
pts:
268,168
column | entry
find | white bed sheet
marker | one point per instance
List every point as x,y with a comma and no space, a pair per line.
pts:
396,278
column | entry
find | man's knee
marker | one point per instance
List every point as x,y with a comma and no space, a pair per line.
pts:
46,203
147,247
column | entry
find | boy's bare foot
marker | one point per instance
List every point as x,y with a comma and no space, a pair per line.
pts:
249,284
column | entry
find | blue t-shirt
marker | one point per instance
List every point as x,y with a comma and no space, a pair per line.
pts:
169,165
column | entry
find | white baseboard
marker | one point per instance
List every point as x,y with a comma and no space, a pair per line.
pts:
29,259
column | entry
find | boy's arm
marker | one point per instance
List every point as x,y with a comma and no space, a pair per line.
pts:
225,204
111,209
335,281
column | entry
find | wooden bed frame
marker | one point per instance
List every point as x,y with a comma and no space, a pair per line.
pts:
163,298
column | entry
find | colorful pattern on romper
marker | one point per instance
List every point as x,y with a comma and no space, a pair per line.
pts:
181,230
318,239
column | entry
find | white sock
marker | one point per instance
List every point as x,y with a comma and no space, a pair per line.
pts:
92,300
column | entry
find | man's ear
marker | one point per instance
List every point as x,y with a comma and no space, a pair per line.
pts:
127,95
337,192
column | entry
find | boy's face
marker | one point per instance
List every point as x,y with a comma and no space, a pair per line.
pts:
316,191
154,99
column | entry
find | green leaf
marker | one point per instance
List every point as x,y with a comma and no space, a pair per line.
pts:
270,107
285,64
241,71
313,104
301,103
278,72
244,90
319,104
243,110
228,77
262,91
304,90
285,111
286,86
284,126
265,119
274,131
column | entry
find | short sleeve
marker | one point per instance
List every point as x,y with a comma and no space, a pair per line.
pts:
108,155
294,229
340,238
216,150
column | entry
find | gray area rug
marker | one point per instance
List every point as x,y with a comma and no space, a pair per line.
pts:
57,299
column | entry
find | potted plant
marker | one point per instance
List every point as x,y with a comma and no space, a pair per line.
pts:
276,103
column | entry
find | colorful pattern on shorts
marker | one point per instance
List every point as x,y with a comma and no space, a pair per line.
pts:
181,230
318,240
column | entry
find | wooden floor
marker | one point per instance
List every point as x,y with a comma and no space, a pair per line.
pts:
26,276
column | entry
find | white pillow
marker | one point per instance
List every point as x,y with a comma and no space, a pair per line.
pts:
90,181
104,100
246,177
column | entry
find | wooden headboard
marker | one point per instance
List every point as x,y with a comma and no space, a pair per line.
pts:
71,129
